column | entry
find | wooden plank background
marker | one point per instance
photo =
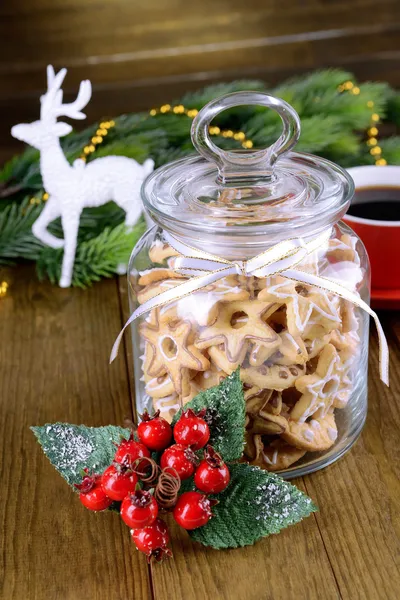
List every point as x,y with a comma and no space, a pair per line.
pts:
139,54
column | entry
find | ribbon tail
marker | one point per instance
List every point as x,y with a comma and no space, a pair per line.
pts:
115,348
343,292
184,289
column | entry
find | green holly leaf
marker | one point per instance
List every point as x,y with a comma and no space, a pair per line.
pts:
255,504
225,415
72,448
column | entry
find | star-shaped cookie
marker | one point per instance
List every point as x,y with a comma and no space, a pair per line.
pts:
235,324
298,308
309,311
291,351
173,351
318,389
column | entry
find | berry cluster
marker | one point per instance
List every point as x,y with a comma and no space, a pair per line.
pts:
135,480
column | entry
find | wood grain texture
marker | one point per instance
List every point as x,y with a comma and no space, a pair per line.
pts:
54,367
156,45
292,565
142,54
359,496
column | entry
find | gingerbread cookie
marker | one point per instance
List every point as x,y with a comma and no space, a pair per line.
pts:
303,302
343,394
318,389
292,350
159,387
160,251
315,436
268,424
156,288
260,402
343,249
147,360
191,392
348,316
276,456
150,276
173,351
314,346
168,406
210,378
348,351
229,289
325,314
263,408
235,339
273,377
219,358
282,291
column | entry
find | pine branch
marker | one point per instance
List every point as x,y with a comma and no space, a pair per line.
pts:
393,109
95,258
200,98
16,237
391,150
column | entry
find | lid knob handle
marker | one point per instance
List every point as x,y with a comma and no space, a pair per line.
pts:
234,165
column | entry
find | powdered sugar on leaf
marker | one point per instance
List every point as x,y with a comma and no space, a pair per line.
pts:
254,505
71,448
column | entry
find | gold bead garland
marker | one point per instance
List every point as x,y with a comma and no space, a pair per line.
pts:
179,109
372,133
97,139
3,288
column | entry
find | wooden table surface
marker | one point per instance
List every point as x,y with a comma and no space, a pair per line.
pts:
54,367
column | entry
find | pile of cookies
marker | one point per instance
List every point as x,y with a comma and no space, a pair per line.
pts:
296,345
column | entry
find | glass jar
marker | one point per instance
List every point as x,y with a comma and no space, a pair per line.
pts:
301,349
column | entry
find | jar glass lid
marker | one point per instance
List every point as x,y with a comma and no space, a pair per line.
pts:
251,192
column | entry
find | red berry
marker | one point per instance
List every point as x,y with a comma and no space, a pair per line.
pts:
152,540
139,509
212,475
92,494
180,458
192,430
129,450
192,510
117,481
155,432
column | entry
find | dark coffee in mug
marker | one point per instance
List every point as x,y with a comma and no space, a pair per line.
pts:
377,203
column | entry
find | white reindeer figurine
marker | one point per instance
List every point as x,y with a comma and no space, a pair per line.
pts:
73,187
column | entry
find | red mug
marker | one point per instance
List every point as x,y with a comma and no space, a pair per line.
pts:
381,238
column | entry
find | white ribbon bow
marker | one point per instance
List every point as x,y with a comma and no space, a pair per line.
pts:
205,268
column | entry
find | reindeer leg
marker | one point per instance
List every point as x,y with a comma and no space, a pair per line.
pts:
128,198
70,227
39,229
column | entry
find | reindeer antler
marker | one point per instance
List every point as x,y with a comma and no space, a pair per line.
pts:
50,76
53,97
73,109
52,105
